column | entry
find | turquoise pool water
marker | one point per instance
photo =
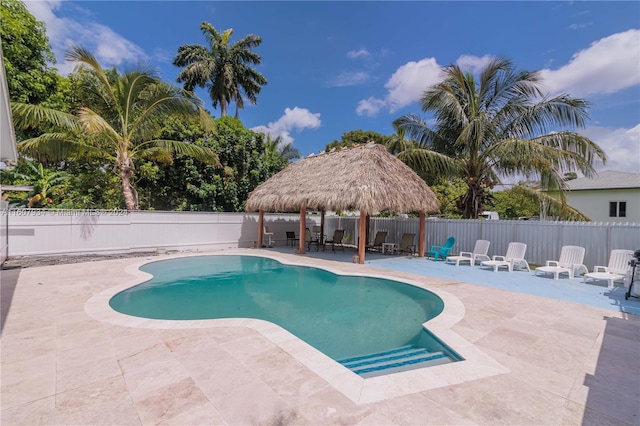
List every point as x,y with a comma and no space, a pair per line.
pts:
342,316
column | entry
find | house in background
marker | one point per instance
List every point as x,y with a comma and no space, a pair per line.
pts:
608,197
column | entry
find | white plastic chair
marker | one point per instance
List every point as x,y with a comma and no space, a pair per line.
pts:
617,270
479,252
265,231
514,256
570,262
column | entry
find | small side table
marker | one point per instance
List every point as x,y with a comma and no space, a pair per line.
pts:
387,248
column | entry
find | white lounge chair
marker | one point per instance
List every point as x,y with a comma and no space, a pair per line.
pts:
570,262
479,252
617,270
514,256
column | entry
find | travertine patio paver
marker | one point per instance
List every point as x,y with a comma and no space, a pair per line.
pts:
559,362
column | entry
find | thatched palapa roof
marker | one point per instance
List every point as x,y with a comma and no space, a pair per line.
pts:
365,178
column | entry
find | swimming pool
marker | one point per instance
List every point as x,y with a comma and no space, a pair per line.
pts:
370,324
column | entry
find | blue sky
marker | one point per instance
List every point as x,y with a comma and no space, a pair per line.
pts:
338,66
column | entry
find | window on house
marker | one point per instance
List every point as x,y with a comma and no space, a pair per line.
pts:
617,209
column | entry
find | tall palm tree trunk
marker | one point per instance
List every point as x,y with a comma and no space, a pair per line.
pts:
223,108
472,202
129,192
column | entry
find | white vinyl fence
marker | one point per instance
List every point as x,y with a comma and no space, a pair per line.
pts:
544,239
48,232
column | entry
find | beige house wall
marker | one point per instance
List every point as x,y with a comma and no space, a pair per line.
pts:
595,203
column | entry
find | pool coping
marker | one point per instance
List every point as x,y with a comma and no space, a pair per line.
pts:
476,364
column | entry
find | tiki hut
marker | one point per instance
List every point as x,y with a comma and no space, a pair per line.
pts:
365,178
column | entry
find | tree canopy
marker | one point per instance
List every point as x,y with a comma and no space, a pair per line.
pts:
246,161
497,124
120,121
356,137
27,55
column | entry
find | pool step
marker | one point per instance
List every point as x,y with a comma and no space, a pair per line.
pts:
400,359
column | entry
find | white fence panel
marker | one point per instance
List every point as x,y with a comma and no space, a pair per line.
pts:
35,231
48,232
180,230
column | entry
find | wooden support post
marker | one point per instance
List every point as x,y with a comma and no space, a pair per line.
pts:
363,237
260,227
303,226
421,242
368,228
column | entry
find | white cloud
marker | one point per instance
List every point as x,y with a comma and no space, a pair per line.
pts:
162,55
473,64
370,106
609,65
579,26
405,86
620,145
409,81
349,79
354,54
296,119
109,47
44,11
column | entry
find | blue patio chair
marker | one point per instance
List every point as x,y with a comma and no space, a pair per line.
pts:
442,251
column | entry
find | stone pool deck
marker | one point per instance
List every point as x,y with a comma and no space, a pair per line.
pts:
67,360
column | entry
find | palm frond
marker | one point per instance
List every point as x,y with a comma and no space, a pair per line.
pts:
415,128
552,207
58,146
577,152
425,160
94,123
132,92
200,153
158,154
547,116
207,122
161,100
83,56
547,157
26,116
198,65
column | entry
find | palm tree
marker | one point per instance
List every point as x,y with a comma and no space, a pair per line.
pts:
276,154
120,123
500,125
224,68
